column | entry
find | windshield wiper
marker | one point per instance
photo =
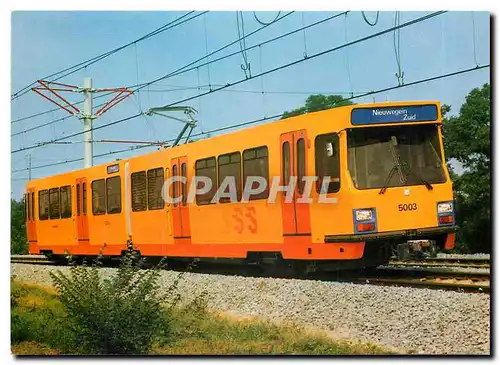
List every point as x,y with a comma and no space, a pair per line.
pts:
417,175
396,166
388,179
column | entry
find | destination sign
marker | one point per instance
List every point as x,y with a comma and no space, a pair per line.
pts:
399,114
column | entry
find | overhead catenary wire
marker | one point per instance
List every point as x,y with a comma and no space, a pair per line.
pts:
397,51
264,23
54,110
359,40
206,46
56,120
390,88
474,37
243,46
176,22
186,68
348,63
367,21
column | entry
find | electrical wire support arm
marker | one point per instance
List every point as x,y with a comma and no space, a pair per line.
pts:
51,91
190,123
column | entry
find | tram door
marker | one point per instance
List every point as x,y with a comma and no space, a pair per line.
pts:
82,223
180,210
29,202
294,149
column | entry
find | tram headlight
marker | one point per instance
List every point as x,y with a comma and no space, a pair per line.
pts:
365,220
445,207
364,215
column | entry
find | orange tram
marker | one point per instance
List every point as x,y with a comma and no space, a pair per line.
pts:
389,188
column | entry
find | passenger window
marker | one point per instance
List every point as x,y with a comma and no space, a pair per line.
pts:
184,185
301,165
139,196
98,197
230,165
286,163
206,167
33,206
27,207
54,204
114,195
155,184
78,199
66,201
255,163
167,176
43,205
327,161
175,185
84,198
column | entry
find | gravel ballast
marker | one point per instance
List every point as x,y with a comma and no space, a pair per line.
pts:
426,321
472,256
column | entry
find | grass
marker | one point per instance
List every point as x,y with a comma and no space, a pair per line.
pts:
38,329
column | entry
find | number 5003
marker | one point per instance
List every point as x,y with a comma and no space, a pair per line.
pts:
405,207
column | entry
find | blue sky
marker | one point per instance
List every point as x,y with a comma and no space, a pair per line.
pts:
46,42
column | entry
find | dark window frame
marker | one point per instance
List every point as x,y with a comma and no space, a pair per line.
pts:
265,193
119,209
334,186
141,206
150,201
206,198
184,185
44,201
27,207
238,179
51,215
78,200
301,164
84,198
175,184
103,211
62,210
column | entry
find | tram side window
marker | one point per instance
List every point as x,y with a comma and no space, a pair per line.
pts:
327,160
230,165
301,165
78,199
184,185
155,185
65,201
43,205
84,198
139,196
27,206
206,168
98,197
32,206
114,195
54,204
175,184
255,163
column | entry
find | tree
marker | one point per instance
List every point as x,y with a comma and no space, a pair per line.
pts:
467,139
18,228
316,103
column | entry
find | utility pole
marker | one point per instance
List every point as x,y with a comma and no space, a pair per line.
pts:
86,115
87,122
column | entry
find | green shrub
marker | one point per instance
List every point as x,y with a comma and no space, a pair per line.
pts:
38,316
120,315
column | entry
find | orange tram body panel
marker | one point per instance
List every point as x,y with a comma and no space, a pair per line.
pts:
388,184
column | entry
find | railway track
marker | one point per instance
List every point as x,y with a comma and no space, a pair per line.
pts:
31,259
416,274
430,277
443,262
